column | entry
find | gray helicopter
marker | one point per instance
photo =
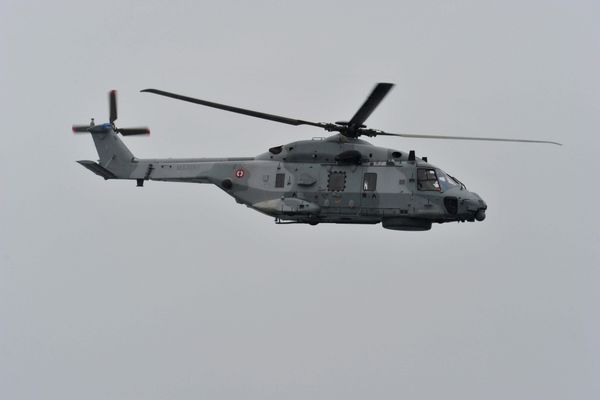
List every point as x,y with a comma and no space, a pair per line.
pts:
338,179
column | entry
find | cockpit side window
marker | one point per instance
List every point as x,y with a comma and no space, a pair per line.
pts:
427,180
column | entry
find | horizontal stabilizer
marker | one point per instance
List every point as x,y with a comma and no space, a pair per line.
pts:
97,169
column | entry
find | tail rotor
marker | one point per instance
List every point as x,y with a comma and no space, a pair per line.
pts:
110,126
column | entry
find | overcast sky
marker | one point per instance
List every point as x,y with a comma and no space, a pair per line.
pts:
174,291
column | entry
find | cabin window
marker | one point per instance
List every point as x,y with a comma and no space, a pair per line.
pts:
279,180
370,182
427,179
337,181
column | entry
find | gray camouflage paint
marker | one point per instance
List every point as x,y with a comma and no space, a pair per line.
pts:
305,196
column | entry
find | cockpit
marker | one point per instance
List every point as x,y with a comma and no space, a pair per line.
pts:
434,179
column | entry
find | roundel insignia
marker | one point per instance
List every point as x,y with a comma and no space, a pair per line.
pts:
239,173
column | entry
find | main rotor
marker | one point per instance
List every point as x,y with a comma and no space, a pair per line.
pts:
354,128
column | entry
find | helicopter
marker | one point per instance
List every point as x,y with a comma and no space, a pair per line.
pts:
339,179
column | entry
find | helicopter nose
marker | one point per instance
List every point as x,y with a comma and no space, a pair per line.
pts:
473,207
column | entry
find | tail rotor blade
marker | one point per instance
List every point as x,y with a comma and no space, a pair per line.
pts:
112,99
81,128
133,131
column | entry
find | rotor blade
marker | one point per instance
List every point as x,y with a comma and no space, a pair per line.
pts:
378,93
406,135
270,117
103,128
112,100
133,131
81,128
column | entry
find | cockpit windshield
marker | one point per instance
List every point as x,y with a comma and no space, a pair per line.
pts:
448,181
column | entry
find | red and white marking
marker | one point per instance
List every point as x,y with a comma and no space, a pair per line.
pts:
239,173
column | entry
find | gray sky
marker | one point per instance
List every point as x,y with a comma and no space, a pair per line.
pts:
108,291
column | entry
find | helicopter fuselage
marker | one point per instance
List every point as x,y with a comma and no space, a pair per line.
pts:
333,180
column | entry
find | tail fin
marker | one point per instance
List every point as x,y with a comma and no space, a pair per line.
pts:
115,159
112,151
